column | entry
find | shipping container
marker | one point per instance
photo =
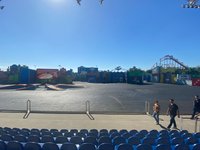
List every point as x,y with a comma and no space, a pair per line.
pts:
13,79
27,76
196,82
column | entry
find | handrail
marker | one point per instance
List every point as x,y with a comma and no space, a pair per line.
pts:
147,107
88,110
28,110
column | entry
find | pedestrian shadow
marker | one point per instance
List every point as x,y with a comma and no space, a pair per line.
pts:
163,127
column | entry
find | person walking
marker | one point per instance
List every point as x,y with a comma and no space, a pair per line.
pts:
196,106
156,110
173,111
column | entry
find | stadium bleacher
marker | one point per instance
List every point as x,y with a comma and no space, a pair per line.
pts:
93,139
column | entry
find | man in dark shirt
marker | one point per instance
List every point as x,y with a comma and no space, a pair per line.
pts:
172,111
196,106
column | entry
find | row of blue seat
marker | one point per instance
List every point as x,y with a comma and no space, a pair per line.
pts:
134,140
13,145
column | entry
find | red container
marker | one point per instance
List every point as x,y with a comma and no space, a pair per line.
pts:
196,82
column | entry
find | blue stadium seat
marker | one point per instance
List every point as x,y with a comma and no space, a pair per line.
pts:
124,146
105,146
196,135
75,131
91,139
26,130
186,135
154,132
24,133
61,139
103,130
6,137
133,132
116,134
50,146
20,138
44,130
68,146
163,132
37,133
191,140
87,146
13,132
56,133
68,134
144,147
126,135
118,140
33,138
181,147
133,141
34,130
53,130
2,145
113,131
196,147
104,139
122,131
76,140
32,146
85,131
183,131
47,138
176,141
103,134
149,141
83,135
140,135
63,131
162,141
163,147
46,133
174,132
14,145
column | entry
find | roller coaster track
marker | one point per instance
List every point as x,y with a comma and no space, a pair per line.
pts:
169,61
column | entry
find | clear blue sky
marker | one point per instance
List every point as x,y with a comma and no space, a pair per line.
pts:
49,33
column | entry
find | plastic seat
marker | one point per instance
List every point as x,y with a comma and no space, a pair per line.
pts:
44,130
46,133
133,141
33,138
124,146
133,132
6,137
144,132
56,133
140,135
61,139
68,146
183,132
155,132
186,135
2,145
191,140
196,135
113,131
54,130
47,138
196,147
85,131
151,135
32,146
118,140
37,133
162,141
174,132
83,135
91,139
126,135
20,138
14,145
50,146
116,134
26,130
68,134
94,131
35,130
104,139
150,141
163,132
143,147
63,131
105,146
181,147
123,131
76,140
103,134
24,133
163,147
74,131
176,141
13,132
87,146
103,130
